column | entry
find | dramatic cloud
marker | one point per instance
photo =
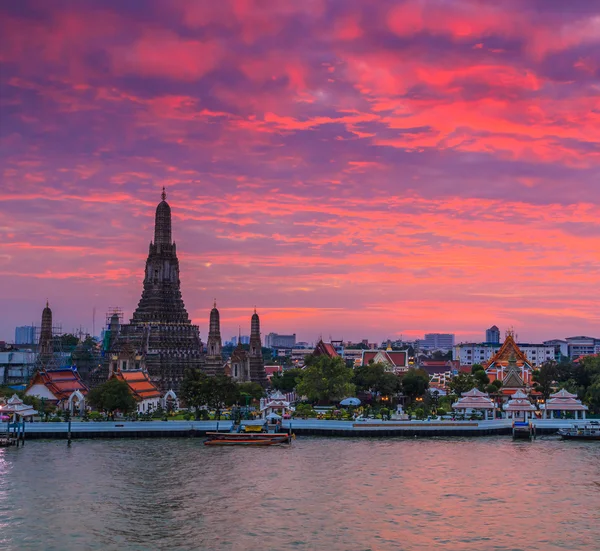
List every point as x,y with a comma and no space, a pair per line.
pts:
355,170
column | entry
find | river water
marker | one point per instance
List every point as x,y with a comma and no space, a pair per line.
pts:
326,494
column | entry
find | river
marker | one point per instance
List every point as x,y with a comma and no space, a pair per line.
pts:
462,494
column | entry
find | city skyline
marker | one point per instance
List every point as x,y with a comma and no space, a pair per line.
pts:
353,172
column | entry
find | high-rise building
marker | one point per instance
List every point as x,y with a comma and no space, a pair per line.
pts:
160,337
437,341
274,340
25,334
492,335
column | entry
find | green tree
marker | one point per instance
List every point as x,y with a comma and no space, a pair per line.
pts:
194,389
592,395
463,382
326,379
477,367
222,392
113,395
545,377
199,389
415,382
253,390
286,381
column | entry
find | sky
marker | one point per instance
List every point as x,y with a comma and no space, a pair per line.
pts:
352,169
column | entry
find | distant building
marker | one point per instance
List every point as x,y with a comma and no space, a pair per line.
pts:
437,341
492,335
25,334
582,346
16,366
275,340
561,348
243,339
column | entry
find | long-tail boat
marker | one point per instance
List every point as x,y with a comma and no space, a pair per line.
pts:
247,439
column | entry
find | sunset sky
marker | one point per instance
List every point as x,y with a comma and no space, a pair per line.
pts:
354,169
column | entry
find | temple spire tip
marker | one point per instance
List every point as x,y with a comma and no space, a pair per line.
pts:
164,194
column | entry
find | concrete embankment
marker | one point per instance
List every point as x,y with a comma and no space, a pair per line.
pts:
312,427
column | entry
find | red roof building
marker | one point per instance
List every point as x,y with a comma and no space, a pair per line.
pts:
325,349
142,388
56,385
396,360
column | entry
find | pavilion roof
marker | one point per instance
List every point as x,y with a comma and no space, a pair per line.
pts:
519,402
563,393
16,405
565,401
139,383
474,399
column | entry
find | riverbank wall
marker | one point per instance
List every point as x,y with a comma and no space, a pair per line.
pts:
307,427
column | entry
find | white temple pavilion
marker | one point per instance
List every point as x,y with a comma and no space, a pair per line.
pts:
563,400
15,406
277,405
519,406
474,400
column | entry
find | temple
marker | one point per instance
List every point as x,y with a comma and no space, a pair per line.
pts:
255,357
46,343
214,358
249,365
510,366
160,337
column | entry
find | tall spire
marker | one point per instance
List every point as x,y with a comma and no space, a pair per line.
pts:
255,325
162,222
45,344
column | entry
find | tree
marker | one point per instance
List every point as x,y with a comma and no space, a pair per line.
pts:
415,382
215,392
477,367
544,378
326,379
286,381
253,390
113,395
194,389
222,391
463,382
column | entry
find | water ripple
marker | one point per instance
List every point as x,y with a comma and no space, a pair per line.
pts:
333,494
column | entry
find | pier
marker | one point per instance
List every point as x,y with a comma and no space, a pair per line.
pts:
301,427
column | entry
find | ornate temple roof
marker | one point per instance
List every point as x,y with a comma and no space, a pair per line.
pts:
325,349
508,349
395,358
60,382
139,383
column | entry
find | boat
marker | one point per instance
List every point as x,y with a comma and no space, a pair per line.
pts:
591,431
247,439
